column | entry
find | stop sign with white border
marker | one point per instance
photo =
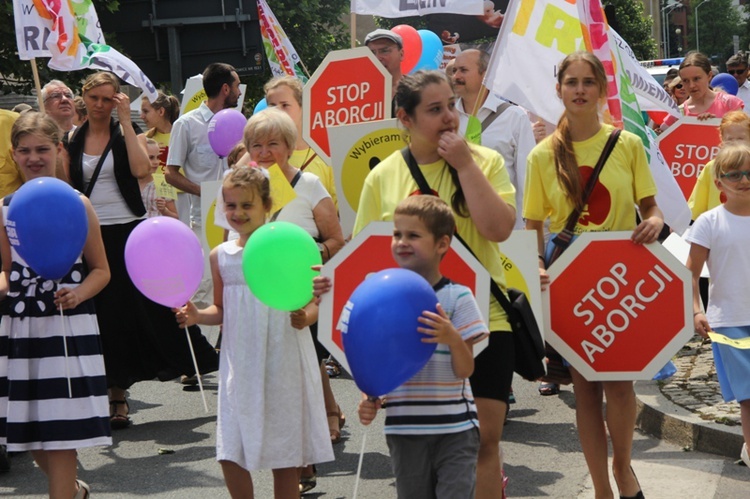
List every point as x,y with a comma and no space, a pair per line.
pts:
369,252
350,86
617,310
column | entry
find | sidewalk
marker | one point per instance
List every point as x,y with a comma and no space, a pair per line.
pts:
687,409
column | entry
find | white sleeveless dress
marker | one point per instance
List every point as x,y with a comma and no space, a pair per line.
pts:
271,412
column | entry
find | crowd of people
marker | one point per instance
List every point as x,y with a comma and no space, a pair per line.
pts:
444,426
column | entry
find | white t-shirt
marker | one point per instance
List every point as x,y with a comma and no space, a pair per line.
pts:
744,93
108,203
727,236
310,192
511,135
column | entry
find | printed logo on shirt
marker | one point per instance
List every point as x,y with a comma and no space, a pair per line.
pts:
600,202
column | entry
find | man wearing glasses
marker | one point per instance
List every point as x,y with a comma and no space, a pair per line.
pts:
58,104
388,47
737,67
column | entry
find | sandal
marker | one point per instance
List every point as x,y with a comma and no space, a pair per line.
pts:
546,389
83,490
307,483
118,421
333,368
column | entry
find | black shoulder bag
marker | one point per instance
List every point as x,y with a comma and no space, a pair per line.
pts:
527,338
557,371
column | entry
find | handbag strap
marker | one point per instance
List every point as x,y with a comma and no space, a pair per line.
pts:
100,163
293,183
424,188
304,165
591,183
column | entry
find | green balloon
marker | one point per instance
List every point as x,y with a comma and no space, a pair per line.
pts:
276,264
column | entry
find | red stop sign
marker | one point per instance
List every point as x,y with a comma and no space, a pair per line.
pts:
349,86
617,310
370,252
687,146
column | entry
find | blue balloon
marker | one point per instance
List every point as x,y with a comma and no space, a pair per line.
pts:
260,106
380,337
48,226
726,82
432,51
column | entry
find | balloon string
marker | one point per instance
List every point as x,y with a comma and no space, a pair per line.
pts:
65,348
361,458
197,373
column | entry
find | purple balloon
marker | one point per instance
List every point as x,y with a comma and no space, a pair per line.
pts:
225,130
164,259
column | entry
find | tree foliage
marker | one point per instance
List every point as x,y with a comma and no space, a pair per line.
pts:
634,27
718,21
313,26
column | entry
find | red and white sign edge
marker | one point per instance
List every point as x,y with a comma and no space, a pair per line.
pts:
326,312
666,353
340,55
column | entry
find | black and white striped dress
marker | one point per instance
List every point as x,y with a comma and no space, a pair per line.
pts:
36,412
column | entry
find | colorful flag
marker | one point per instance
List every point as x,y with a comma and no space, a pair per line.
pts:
545,31
405,8
280,52
63,26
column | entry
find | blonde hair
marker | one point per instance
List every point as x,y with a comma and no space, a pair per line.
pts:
734,118
235,154
171,107
270,123
33,123
566,164
99,79
290,81
731,157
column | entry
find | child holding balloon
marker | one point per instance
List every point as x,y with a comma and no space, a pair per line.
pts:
271,412
49,332
431,423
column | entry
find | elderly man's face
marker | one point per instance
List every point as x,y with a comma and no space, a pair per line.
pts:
58,103
388,53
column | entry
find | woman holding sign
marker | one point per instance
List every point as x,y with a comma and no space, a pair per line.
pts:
474,182
555,190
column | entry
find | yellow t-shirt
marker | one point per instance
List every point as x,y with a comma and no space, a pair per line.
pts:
623,182
10,176
163,140
391,182
317,167
705,195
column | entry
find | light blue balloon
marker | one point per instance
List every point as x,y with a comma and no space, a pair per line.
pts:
260,106
432,51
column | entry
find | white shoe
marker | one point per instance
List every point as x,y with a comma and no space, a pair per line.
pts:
744,456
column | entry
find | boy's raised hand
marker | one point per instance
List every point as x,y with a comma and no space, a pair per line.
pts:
440,329
186,316
368,409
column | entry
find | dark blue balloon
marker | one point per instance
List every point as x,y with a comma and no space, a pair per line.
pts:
47,225
379,330
726,82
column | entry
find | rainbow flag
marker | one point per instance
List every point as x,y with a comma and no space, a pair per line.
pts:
282,57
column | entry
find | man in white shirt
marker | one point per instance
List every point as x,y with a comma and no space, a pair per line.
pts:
737,67
505,127
190,150
58,104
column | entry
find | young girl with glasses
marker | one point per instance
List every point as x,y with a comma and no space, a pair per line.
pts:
720,238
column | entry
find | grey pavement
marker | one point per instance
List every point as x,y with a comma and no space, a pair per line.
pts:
169,453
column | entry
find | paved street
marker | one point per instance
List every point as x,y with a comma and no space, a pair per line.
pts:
543,457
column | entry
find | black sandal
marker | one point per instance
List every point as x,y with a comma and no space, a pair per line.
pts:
307,483
119,421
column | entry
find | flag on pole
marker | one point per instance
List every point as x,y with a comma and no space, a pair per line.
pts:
406,8
282,57
67,24
545,31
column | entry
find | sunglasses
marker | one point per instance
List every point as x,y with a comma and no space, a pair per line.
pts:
736,175
736,71
678,86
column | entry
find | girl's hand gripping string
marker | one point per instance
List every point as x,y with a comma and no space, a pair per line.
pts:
67,298
186,316
368,409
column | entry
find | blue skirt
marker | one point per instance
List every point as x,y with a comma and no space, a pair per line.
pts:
733,365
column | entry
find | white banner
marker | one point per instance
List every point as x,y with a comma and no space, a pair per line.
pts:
406,8
32,30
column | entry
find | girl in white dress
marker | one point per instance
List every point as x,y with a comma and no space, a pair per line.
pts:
271,412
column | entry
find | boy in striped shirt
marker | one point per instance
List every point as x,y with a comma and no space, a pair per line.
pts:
431,422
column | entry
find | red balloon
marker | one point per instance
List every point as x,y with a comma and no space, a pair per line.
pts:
412,46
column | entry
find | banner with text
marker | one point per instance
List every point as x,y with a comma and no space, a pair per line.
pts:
406,8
